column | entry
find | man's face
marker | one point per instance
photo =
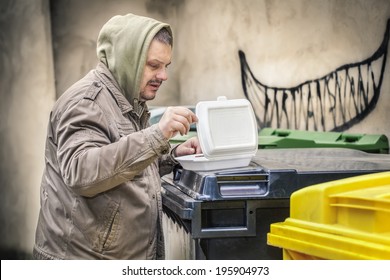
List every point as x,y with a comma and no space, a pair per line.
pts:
157,61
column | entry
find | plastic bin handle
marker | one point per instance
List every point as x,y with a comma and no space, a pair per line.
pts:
249,229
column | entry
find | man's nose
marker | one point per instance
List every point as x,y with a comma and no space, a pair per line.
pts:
162,74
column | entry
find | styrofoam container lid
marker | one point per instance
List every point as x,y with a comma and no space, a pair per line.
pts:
227,133
226,128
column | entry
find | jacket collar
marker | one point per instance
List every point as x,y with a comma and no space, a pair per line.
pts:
108,80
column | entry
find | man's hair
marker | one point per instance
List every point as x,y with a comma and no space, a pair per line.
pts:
164,36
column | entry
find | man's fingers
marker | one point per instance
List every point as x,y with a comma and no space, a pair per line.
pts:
187,113
177,120
185,122
180,127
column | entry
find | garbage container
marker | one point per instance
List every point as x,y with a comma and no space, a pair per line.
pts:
342,219
226,214
270,138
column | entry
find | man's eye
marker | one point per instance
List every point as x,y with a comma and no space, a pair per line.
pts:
154,66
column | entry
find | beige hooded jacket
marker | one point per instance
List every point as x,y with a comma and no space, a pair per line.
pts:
101,191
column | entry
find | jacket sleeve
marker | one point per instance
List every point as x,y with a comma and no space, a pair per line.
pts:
90,162
167,162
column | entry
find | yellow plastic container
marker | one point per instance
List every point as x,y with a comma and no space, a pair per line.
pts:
343,219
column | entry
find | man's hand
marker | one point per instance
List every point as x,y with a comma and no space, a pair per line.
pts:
176,120
189,147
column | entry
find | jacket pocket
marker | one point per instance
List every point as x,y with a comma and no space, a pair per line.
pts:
110,231
98,220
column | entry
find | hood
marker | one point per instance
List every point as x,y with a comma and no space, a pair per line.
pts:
122,45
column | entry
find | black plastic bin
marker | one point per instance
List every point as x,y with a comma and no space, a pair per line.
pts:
226,214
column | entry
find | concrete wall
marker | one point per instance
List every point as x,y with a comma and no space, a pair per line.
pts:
286,42
26,95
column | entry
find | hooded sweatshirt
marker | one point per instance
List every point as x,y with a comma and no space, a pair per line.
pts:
122,46
101,191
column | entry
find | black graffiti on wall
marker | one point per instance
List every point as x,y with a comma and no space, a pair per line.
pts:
334,102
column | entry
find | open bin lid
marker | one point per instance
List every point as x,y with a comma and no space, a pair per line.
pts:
228,135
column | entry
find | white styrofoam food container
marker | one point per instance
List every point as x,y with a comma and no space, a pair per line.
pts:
227,132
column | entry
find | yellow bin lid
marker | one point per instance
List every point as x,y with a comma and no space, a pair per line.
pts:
342,219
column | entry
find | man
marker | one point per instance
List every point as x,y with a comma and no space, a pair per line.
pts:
100,191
